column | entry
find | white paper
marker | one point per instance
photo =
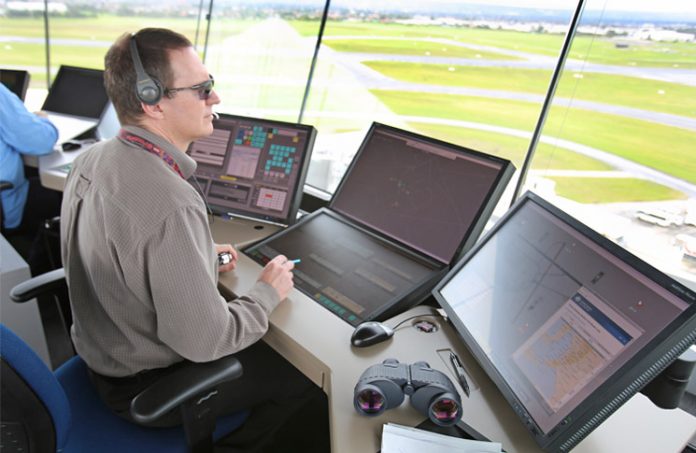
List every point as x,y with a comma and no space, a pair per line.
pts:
403,439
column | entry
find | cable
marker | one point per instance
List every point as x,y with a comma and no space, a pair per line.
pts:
414,317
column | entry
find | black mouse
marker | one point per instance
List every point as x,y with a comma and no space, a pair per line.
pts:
369,333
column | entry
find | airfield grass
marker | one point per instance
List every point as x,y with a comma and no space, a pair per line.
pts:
613,190
601,50
107,27
547,157
626,91
411,47
640,141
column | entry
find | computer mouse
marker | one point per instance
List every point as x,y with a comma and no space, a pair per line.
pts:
369,333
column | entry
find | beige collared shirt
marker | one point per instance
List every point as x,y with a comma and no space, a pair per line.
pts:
141,264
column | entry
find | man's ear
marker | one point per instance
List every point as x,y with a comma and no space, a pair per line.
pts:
152,111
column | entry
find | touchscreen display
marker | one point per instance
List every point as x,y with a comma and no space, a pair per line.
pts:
251,167
344,269
552,313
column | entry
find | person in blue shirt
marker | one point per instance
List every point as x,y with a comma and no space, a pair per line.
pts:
27,205
21,132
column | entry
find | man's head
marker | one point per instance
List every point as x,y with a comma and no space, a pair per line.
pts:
184,111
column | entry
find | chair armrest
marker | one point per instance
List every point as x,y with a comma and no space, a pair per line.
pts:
49,282
185,383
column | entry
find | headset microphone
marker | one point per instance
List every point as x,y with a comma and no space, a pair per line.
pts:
148,89
216,116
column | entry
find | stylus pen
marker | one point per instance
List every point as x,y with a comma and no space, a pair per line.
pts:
461,374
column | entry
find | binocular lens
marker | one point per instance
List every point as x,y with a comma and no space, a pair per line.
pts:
370,401
444,411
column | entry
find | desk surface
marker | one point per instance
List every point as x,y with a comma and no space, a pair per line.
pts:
318,343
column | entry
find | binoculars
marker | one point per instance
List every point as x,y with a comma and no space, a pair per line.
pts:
383,386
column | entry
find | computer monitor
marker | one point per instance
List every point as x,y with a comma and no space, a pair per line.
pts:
254,168
108,125
407,205
77,92
567,324
16,81
432,196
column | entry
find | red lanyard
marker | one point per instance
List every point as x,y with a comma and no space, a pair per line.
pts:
150,147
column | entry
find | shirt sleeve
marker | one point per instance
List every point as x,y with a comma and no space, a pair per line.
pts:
192,317
22,130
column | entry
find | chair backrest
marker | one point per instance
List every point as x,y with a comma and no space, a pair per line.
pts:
33,401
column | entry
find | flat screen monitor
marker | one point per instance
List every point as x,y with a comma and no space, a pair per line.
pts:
77,92
108,125
432,196
405,208
252,167
16,81
567,324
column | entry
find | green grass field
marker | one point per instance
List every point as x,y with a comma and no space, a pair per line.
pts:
511,148
667,149
601,50
613,190
636,140
409,47
610,89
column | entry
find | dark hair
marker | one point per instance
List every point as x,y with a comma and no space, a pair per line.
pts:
154,45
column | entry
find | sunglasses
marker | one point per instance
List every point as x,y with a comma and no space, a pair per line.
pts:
204,89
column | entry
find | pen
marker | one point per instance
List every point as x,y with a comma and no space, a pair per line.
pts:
461,374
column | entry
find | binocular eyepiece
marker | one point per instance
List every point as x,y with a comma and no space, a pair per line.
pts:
383,386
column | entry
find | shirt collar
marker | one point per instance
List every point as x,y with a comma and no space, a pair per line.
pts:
186,164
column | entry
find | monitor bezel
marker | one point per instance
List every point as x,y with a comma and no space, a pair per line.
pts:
673,340
296,199
23,77
61,73
470,237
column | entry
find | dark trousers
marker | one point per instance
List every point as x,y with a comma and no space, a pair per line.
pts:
288,412
41,252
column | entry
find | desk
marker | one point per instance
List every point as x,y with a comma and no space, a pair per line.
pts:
318,344
49,174
24,319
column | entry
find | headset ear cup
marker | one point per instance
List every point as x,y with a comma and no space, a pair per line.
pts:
149,91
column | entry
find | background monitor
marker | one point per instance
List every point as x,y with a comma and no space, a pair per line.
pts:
251,167
78,92
432,196
108,125
566,323
16,81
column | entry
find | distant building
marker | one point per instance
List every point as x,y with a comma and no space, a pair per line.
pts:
659,34
30,7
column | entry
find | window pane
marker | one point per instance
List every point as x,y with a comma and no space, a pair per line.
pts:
618,148
259,60
81,33
472,73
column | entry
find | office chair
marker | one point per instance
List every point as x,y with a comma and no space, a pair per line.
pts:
45,411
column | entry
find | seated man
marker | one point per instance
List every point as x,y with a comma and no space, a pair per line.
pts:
27,204
141,264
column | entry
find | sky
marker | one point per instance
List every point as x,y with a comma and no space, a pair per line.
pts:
663,6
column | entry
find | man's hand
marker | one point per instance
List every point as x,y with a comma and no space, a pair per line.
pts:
220,248
277,273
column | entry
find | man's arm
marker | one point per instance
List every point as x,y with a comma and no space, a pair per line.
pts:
192,317
22,130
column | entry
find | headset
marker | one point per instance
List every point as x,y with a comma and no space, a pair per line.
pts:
147,88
